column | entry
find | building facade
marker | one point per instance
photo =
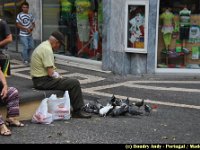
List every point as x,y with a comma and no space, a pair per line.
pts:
126,36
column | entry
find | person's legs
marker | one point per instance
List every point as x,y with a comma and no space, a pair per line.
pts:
30,46
12,102
75,93
3,128
1,120
64,84
24,41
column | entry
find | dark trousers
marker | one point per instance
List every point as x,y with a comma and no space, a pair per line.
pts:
184,33
64,84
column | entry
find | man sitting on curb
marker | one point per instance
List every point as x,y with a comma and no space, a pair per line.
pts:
45,77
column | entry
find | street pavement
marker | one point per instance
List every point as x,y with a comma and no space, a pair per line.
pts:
174,118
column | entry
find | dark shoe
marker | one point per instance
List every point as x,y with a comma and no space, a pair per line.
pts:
81,114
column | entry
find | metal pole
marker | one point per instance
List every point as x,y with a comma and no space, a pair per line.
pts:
16,35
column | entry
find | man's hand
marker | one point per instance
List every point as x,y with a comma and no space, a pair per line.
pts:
29,30
56,75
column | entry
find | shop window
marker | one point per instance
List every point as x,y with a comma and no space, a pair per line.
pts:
136,26
8,11
81,23
179,34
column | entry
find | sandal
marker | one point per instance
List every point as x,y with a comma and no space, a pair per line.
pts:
14,123
4,130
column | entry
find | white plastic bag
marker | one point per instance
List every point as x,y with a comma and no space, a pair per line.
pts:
59,107
41,115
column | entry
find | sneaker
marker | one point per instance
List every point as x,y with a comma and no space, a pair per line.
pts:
26,63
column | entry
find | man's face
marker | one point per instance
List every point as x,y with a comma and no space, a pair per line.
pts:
25,8
56,45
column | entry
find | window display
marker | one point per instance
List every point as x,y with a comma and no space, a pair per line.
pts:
179,34
81,23
167,23
68,26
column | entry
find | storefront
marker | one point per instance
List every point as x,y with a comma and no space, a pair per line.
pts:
150,44
127,36
81,23
178,36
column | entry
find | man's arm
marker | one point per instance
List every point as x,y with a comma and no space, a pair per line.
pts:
32,27
7,40
53,73
21,27
50,71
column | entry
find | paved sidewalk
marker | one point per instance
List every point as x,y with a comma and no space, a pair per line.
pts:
175,120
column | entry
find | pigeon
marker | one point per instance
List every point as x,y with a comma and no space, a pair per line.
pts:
98,105
105,110
119,110
125,102
113,101
147,109
139,104
117,102
132,111
89,108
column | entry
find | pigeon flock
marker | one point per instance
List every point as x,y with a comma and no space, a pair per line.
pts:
117,107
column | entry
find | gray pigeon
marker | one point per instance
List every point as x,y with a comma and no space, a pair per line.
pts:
139,104
98,105
119,110
147,109
90,108
132,111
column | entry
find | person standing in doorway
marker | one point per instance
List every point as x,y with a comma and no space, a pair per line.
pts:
26,23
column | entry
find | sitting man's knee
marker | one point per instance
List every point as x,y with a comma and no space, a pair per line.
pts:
75,82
